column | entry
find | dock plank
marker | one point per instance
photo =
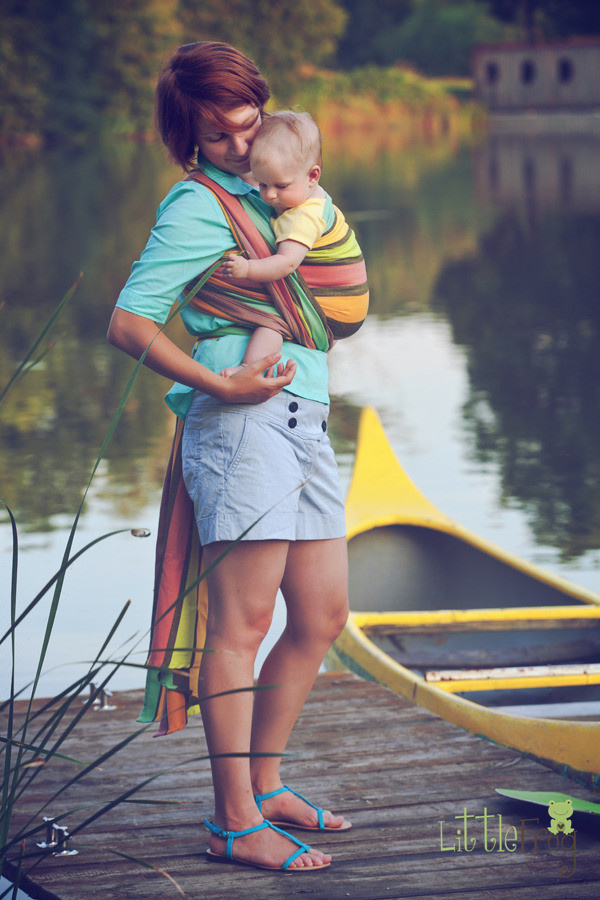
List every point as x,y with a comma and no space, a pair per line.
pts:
395,770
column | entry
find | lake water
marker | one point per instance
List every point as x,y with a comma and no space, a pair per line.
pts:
480,354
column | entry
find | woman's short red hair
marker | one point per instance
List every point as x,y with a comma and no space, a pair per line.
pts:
202,82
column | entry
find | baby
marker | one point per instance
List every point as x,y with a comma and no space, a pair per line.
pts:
286,162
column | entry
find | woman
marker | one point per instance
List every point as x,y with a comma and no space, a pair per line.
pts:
254,445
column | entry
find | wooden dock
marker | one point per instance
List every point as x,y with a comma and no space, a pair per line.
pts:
395,770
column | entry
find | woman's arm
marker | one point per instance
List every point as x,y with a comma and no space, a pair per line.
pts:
132,334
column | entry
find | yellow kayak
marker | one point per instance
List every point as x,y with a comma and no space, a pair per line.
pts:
478,636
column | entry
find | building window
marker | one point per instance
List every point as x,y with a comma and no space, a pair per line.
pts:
565,70
492,72
527,71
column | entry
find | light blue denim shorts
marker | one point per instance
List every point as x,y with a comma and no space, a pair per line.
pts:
269,466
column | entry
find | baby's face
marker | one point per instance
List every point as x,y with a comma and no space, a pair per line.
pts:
285,183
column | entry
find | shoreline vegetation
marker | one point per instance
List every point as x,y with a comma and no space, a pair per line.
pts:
393,98
73,72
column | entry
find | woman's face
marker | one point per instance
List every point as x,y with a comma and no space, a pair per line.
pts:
230,150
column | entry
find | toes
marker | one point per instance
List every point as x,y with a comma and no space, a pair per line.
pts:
332,820
314,859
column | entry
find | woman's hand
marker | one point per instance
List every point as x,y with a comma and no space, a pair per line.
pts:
133,334
257,381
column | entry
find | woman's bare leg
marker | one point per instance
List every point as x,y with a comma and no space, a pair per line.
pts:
242,590
315,588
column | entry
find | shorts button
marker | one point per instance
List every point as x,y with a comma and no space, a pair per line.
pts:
324,425
292,422
293,406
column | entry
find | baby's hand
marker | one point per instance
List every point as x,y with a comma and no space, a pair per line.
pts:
235,266
232,370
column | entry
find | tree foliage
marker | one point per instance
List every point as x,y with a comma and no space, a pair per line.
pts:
81,66
85,67
548,18
281,37
371,31
438,36
72,67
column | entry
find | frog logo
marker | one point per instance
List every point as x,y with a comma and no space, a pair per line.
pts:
560,813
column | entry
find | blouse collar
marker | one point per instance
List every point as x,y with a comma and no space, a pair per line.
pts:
232,183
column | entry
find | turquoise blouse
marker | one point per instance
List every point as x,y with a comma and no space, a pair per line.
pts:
190,234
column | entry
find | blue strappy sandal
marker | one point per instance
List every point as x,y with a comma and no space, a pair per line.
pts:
320,813
230,836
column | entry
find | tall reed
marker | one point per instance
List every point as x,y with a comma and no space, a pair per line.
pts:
31,747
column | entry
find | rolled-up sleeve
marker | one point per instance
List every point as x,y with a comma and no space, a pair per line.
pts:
190,234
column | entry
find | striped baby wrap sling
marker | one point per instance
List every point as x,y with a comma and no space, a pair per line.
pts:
180,596
334,272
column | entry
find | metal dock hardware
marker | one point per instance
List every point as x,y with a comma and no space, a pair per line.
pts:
101,698
57,837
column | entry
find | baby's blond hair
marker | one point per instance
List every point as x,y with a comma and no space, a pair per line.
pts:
288,133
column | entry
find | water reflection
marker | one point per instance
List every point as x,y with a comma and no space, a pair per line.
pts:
61,213
500,238
539,172
525,305
481,354
90,210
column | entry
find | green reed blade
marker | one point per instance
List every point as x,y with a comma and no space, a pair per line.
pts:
111,633
81,774
67,813
65,734
56,718
52,700
209,569
5,824
55,578
132,790
14,887
106,441
27,776
82,682
57,312
40,751
10,793
94,668
23,781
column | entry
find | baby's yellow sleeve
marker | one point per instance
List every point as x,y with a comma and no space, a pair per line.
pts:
304,224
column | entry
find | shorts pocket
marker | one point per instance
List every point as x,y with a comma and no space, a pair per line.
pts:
213,448
235,436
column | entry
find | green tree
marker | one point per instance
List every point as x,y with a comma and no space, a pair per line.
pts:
438,36
369,34
548,18
23,70
131,40
67,47
280,37
80,67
